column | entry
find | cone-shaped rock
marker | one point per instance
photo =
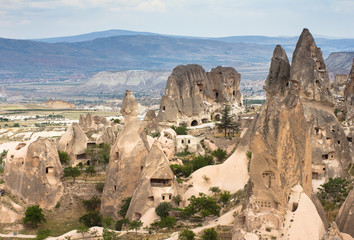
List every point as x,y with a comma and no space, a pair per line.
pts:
127,160
157,185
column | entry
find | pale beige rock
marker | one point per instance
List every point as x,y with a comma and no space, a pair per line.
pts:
157,184
209,145
59,104
74,142
333,233
349,94
34,172
166,140
345,217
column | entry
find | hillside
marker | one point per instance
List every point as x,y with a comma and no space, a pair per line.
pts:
339,63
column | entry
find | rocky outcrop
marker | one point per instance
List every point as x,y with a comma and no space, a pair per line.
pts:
33,171
127,160
349,94
333,233
92,123
330,147
193,95
166,139
309,69
107,136
157,185
74,142
58,104
345,217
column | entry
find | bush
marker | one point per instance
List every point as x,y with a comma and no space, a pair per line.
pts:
108,222
63,157
124,208
33,215
16,125
121,223
219,154
91,219
92,204
210,234
99,187
116,120
225,197
42,234
135,225
162,209
168,222
186,235
180,130
202,205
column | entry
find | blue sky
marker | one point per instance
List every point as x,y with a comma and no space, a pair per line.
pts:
25,19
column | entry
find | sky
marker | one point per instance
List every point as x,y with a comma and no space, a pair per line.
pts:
28,19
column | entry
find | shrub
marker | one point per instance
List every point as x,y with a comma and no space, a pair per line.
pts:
92,204
63,157
219,154
72,172
214,190
135,225
16,125
210,234
57,205
202,205
162,209
34,215
180,130
186,235
116,120
91,219
177,199
90,170
168,222
109,235
124,208
225,197
108,222
121,223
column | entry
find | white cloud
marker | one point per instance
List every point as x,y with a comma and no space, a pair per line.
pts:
152,6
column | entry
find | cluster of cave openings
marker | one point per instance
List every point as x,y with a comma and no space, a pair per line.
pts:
268,178
194,123
264,203
167,197
329,156
156,182
49,170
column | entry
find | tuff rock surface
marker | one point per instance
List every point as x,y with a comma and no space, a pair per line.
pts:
349,94
345,217
127,160
33,171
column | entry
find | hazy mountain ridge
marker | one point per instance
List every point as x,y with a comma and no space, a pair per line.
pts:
339,62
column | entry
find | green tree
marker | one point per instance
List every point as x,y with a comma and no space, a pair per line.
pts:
219,154
90,170
124,208
177,199
109,235
136,225
180,130
215,190
92,204
63,157
73,172
168,222
210,234
120,223
335,190
91,219
225,197
202,205
226,120
186,235
34,215
80,165
162,209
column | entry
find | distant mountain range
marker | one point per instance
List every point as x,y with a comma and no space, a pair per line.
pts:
113,50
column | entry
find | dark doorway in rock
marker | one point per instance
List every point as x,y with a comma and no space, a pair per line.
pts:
217,117
295,206
194,123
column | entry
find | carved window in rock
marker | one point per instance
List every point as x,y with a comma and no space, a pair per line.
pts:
295,206
163,108
182,141
81,156
194,123
268,178
156,182
166,197
331,156
200,87
151,198
49,170
315,175
349,139
189,141
204,120
116,155
91,144
325,157
216,95
217,117
263,203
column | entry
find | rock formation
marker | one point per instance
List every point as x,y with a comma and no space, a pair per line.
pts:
127,159
58,104
349,94
281,153
33,171
157,185
330,147
193,96
166,139
345,217
94,123
74,142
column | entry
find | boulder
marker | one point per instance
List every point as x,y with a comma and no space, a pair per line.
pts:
33,171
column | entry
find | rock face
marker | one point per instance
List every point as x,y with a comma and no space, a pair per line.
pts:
90,122
330,147
193,95
349,94
127,160
157,185
281,152
345,217
308,67
33,171
74,142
